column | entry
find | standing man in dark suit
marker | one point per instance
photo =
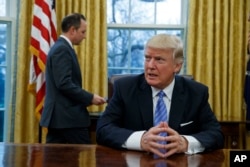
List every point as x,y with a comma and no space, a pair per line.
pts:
65,110
247,82
190,125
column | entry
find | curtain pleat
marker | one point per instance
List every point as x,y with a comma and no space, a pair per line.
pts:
25,123
216,51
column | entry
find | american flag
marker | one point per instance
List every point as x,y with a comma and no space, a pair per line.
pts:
43,36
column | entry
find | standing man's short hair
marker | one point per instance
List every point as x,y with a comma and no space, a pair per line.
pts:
72,20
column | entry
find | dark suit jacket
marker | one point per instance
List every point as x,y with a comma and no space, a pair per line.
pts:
131,109
65,101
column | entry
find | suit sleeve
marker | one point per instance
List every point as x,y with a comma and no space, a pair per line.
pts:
210,134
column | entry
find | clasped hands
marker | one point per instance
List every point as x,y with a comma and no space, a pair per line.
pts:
151,139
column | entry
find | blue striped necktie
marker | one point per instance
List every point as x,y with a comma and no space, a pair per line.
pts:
160,111
161,116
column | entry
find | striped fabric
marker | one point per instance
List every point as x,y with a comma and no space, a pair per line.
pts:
160,111
43,36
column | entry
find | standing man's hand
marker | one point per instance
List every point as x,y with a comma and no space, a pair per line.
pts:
98,100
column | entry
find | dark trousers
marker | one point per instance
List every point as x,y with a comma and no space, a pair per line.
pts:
68,136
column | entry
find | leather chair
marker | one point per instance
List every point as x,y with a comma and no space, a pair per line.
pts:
111,81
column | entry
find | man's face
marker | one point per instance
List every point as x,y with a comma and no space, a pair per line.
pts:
80,33
160,67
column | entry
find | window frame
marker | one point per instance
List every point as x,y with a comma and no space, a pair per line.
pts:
11,58
182,27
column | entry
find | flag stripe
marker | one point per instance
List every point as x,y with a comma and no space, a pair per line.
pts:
43,36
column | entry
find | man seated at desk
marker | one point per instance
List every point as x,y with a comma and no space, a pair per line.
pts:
159,111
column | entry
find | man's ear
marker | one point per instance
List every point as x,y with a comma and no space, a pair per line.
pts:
178,67
72,30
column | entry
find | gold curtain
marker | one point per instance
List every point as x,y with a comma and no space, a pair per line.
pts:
91,55
216,52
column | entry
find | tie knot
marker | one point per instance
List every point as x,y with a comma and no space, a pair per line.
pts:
161,94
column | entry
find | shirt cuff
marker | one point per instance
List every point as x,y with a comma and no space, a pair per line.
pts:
194,146
134,141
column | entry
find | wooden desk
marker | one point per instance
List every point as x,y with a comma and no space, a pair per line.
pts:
235,134
60,155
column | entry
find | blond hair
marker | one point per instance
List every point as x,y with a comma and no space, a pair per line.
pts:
166,41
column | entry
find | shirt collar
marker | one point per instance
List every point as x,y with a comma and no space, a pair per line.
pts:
167,90
67,39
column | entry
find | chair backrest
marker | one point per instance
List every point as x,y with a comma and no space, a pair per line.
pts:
111,81
187,76
114,77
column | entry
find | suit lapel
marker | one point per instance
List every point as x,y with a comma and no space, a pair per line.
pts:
77,72
177,104
145,103
72,51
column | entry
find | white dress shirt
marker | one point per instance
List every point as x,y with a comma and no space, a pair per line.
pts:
67,39
134,140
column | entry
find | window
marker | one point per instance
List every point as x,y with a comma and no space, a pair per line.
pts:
132,22
6,50
3,7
